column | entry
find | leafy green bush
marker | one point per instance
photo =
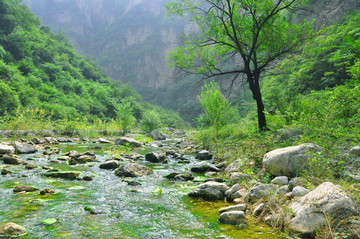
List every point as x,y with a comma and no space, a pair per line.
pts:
150,121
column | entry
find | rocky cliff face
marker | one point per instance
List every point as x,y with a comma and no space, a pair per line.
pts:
129,38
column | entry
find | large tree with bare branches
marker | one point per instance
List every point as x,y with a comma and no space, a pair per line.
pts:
254,33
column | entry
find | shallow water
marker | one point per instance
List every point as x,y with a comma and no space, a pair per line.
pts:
158,208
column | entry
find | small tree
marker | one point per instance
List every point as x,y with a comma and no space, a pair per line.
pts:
150,121
125,113
218,110
250,33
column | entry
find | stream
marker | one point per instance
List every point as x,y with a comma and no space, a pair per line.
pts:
158,208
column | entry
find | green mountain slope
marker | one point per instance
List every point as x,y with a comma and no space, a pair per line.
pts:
40,69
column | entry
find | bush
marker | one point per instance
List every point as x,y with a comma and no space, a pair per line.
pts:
150,121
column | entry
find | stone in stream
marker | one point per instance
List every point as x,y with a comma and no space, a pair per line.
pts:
313,210
210,191
202,167
82,159
155,157
12,159
6,149
111,164
129,141
24,188
22,148
5,171
184,177
51,140
71,175
232,217
12,230
171,175
156,144
104,141
157,135
38,141
47,191
288,161
31,166
204,155
239,207
133,170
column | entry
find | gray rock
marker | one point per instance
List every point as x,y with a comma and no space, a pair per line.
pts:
312,210
204,155
6,149
22,148
283,190
235,166
47,191
5,171
31,166
299,191
155,157
104,141
171,175
202,167
280,180
51,140
232,190
238,194
12,159
184,177
355,150
296,182
157,135
38,141
133,170
259,209
112,164
82,159
239,207
239,177
210,191
129,141
288,161
260,190
24,188
12,230
71,175
156,144
232,217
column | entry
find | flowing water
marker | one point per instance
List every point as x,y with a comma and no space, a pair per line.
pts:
158,208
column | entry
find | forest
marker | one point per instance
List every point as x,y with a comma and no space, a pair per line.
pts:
293,115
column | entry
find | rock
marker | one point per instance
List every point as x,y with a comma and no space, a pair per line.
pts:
288,161
313,210
73,154
171,175
155,157
203,167
299,191
283,190
24,188
355,150
157,135
82,159
184,177
219,180
233,217
239,207
5,171
37,141
63,158
235,166
210,191
204,155
259,209
260,190
71,175
280,180
51,140
31,166
87,178
156,144
133,183
47,191
63,140
239,177
22,148
133,170
112,164
12,230
6,149
12,159
170,152
104,141
296,182
129,141
232,190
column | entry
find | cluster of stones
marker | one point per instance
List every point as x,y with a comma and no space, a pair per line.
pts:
308,210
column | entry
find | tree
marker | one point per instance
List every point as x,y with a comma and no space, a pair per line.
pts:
238,38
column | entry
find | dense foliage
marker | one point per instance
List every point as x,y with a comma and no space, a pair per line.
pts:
41,70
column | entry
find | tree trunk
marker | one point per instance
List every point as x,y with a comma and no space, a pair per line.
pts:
255,89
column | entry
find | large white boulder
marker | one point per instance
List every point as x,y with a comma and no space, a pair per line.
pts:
314,209
288,161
